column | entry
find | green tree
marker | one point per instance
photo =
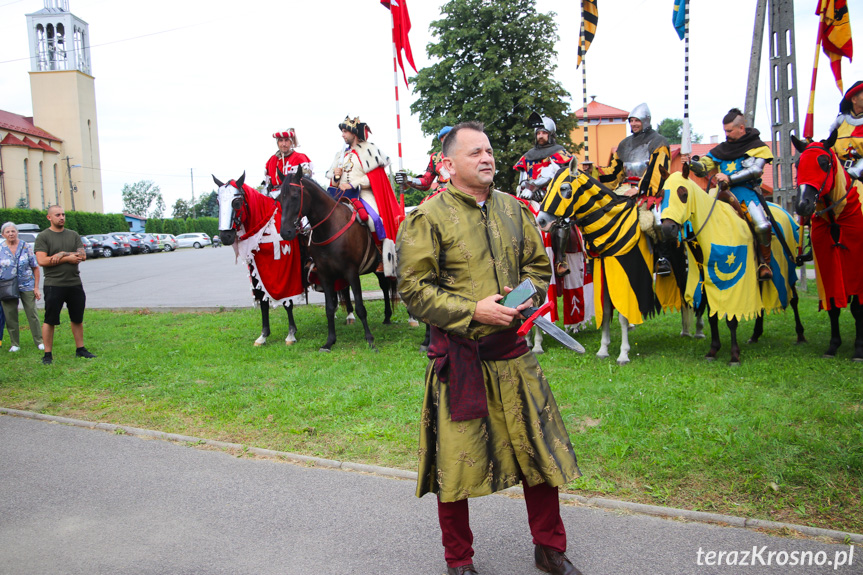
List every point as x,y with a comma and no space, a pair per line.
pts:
182,210
672,129
208,206
138,197
494,63
22,203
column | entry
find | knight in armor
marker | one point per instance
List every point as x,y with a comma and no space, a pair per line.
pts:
434,171
357,173
849,128
739,163
285,160
537,168
634,171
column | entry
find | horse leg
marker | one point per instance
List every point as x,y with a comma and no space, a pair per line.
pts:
735,347
345,296
361,310
623,358
758,330
686,316
699,319
605,338
715,344
424,346
331,303
835,337
857,312
384,283
537,341
798,325
292,327
265,320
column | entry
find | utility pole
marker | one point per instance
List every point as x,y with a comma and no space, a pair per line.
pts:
72,187
194,211
783,90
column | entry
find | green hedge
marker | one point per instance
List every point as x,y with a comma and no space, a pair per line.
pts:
209,226
85,223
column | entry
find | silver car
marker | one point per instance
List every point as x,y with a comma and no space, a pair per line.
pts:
193,240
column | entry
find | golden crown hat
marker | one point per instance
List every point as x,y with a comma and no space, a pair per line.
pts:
356,127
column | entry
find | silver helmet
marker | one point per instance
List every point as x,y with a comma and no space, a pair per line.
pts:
641,112
542,123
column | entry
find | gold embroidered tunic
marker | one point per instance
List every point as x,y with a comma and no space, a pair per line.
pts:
451,254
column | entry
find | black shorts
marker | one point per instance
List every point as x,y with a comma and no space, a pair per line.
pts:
72,296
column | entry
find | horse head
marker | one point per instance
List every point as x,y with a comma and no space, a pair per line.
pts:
678,188
231,203
816,173
558,199
291,198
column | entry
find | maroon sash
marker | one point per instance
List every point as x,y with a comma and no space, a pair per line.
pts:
467,396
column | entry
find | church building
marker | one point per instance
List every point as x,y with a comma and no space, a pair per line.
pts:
53,156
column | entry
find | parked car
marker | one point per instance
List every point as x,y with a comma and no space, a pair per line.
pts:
95,244
111,246
28,237
88,248
195,240
167,242
149,243
127,239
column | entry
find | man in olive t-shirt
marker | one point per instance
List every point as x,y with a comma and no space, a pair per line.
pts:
59,251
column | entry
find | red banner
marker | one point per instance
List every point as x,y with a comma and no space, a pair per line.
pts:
401,27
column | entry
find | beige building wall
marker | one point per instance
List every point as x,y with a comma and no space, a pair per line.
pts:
13,173
64,103
603,136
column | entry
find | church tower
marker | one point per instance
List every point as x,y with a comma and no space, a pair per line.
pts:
64,99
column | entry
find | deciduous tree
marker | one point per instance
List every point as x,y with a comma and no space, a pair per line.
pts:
138,197
495,61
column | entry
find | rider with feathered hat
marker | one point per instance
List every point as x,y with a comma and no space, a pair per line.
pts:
285,160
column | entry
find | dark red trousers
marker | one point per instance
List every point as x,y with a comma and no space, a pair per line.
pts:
543,515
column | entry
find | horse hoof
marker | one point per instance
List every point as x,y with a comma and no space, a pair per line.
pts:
602,355
413,323
709,358
349,321
699,336
622,361
733,364
828,356
685,334
260,343
324,349
290,342
538,351
387,322
751,340
801,340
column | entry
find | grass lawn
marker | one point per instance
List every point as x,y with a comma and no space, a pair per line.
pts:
780,437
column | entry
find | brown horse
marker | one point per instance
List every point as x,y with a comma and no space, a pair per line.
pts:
341,247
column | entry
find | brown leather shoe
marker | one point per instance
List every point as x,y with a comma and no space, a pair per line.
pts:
553,562
462,570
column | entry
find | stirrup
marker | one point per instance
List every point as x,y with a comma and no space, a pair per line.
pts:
663,267
764,273
561,269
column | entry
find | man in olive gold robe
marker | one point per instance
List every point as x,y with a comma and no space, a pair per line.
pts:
489,419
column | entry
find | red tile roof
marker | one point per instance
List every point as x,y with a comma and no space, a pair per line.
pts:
47,147
597,110
31,144
24,125
12,140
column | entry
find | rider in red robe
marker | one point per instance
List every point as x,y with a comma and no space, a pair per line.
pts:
285,160
434,171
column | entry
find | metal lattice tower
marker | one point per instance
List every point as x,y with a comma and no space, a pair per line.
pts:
783,91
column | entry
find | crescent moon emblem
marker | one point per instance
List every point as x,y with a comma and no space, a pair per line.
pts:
724,276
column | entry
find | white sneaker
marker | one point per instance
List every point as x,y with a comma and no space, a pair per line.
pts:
41,347
14,348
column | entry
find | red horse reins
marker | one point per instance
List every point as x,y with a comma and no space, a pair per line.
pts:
338,234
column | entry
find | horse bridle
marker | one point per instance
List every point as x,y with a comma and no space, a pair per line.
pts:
237,204
312,229
829,171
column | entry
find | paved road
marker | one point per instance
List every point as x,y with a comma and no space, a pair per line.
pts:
83,501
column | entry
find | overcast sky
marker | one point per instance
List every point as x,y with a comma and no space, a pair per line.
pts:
202,85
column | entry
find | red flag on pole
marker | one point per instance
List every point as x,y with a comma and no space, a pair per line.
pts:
401,27
835,32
